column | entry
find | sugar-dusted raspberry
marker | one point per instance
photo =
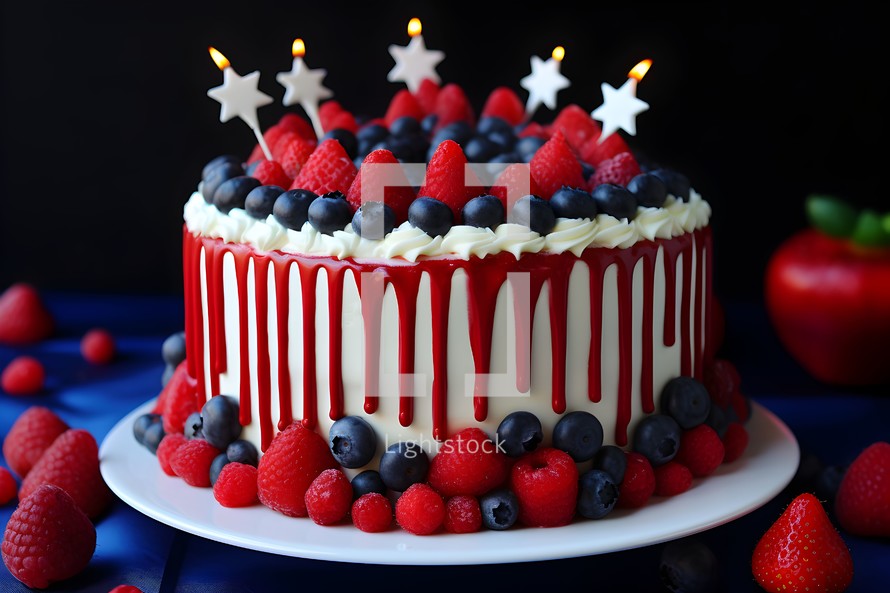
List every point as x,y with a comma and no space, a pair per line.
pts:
462,514
619,169
546,483
97,346
701,450
170,444
372,513
468,463
8,486
236,485
672,478
735,441
24,375
31,434
638,484
329,497
192,461
420,510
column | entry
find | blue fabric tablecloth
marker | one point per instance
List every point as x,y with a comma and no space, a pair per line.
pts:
832,423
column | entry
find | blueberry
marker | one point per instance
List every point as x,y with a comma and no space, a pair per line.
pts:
374,220
217,176
173,348
242,451
505,157
352,441
221,423
216,466
829,481
649,190
570,202
403,464
194,426
717,420
431,216
168,374
345,138
479,149
429,123
291,208
372,134
141,424
579,434
677,184
615,200
612,460
587,171
152,436
688,566
500,509
405,126
250,169
491,123
503,140
528,146
330,212
535,213
459,131
232,193
518,433
221,159
260,201
408,148
657,438
366,482
687,401
483,211
597,494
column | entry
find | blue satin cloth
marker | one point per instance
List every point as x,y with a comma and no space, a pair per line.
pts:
834,424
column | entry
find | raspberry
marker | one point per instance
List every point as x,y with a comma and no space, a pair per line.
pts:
672,478
8,486
420,510
619,169
344,121
170,444
468,463
388,185
576,125
426,95
740,406
555,165
595,152
701,450
372,513
294,123
638,484
179,398
23,316
448,180
735,441
272,173
72,464
126,589
328,169
192,462
271,136
534,129
403,104
332,116
462,515
236,486
24,375
97,346
293,460
31,434
721,379
514,182
295,156
48,538
452,105
546,483
329,497
503,103
281,145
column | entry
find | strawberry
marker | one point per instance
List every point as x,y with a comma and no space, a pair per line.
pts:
701,450
503,103
426,95
8,486
672,478
638,484
23,316
513,183
31,434
595,152
328,169
577,126
293,460
327,111
72,464
448,180
862,504
48,539
545,482
735,441
180,399
295,156
452,105
802,551
555,165
403,104
294,123
343,121
272,173
468,463
535,129
619,169
387,184
98,347
23,375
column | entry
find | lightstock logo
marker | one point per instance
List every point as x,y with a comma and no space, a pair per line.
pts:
515,178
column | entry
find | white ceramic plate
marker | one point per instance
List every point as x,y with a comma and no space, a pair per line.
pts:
734,490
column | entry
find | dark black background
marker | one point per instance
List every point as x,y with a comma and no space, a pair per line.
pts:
106,123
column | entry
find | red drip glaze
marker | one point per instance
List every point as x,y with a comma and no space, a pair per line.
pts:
482,294
308,279
559,308
406,282
242,260
282,311
335,339
440,299
372,287
264,364
646,361
194,324
595,358
698,354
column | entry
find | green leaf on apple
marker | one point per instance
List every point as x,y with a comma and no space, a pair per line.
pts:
870,230
832,216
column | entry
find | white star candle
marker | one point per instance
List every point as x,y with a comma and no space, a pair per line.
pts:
544,82
239,97
414,62
304,86
621,106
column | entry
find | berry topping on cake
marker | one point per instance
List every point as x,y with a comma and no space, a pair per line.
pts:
480,149
271,173
612,460
546,484
261,200
179,400
638,484
648,189
503,103
430,215
291,208
48,538
579,434
518,433
374,220
403,104
8,487
366,482
657,437
577,126
597,494
372,513
500,509
615,200
677,184
170,444
329,497
483,211
672,478
735,441
294,123
352,441
802,551
192,461
619,170
233,192
468,463
863,498
24,375
346,139
571,202
701,450
220,421
24,318
426,95
293,460
420,510
534,213
595,152
448,179
329,212
403,464
386,184
685,400
216,161
294,157
452,106
555,165
688,566
462,515
329,114
328,169
217,176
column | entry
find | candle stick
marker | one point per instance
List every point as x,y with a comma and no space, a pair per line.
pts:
544,82
304,86
621,106
414,62
239,97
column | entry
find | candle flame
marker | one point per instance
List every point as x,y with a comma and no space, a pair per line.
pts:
639,71
299,48
414,27
220,60
559,52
